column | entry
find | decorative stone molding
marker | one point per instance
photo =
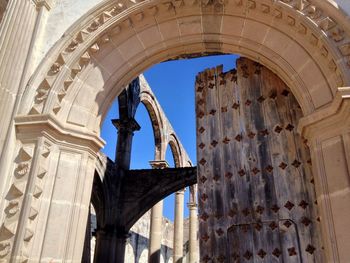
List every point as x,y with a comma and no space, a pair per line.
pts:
48,4
37,136
327,134
329,120
49,125
310,21
15,195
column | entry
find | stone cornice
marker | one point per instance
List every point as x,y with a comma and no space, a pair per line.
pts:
47,3
32,127
329,120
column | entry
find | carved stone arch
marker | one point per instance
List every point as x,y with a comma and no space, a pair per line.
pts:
285,29
129,253
176,150
148,100
143,256
307,46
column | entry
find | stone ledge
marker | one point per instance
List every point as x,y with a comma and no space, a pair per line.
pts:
32,127
334,117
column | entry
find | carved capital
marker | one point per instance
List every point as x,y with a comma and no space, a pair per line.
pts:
48,4
29,128
129,125
180,192
330,121
161,164
192,206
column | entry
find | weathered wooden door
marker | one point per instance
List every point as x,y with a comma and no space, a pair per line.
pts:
256,192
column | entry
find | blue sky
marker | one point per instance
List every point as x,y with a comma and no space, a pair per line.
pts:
173,84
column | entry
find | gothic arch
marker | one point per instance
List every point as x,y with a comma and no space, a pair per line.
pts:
130,253
144,256
148,99
175,147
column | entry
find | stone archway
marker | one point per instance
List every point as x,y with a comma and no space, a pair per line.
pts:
57,124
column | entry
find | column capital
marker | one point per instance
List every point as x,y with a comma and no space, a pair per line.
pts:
30,127
47,3
160,164
129,125
192,206
180,192
111,231
329,121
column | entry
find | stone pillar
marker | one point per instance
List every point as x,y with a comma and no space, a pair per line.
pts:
179,226
193,242
17,36
155,237
328,135
49,196
126,129
110,245
193,253
111,233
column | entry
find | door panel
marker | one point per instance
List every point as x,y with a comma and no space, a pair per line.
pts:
253,170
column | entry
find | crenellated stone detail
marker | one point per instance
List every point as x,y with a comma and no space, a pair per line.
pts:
295,13
15,196
35,200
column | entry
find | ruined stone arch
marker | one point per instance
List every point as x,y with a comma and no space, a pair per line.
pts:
157,122
131,253
144,255
65,101
175,147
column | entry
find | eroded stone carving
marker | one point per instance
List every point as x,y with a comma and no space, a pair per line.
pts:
28,235
33,213
12,208
37,192
55,68
5,248
22,169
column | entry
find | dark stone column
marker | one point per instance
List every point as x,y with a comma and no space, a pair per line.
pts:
126,129
111,233
110,245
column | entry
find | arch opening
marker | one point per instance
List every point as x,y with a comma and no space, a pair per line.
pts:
73,90
313,71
